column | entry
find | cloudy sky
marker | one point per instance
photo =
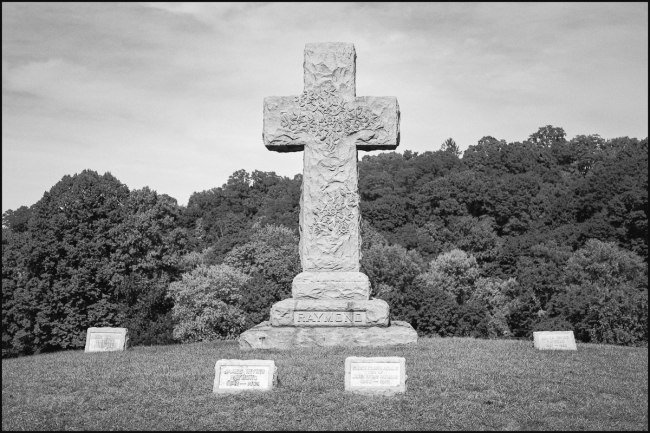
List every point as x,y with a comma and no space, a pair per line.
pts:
170,95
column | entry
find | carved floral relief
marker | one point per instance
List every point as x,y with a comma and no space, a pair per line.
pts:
328,117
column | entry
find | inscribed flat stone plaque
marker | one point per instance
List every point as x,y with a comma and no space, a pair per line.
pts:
106,339
377,375
554,340
238,375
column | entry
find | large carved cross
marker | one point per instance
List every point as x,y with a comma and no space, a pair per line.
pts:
330,124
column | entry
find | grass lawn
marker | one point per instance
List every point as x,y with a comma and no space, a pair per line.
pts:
453,384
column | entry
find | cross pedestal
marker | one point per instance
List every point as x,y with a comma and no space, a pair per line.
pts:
330,302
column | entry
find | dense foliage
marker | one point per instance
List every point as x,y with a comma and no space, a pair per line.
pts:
542,234
92,253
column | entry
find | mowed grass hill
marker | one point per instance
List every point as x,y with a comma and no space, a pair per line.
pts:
453,384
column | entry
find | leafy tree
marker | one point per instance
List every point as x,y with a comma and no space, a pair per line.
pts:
467,233
370,237
495,295
605,295
17,313
438,314
482,305
69,262
206,303
270,258
272,251
542,270
389,184
606,264
455,273
612,199
17,220
147,257
392,271
449,145
547,136
222,218
93,254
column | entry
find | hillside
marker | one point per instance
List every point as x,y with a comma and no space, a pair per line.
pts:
453,384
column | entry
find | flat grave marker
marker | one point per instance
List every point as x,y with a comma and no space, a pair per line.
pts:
106,339
239,375
554,340
384,375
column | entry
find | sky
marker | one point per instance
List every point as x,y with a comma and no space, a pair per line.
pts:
170,95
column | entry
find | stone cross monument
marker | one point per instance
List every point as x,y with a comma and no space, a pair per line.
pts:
331,302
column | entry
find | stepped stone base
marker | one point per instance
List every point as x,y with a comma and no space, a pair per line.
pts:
265,336
331,285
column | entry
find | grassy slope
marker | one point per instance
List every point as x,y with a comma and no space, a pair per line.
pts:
452,384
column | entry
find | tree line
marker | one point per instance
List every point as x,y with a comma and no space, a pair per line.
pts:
510,238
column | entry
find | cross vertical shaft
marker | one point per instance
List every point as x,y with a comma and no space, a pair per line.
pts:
329,123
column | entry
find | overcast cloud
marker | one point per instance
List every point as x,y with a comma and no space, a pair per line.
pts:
170,95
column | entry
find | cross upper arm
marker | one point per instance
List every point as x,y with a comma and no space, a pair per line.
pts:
372,122
386,137
275,136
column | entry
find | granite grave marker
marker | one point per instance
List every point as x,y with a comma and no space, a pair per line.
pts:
377,375
239,375
554,340
106,339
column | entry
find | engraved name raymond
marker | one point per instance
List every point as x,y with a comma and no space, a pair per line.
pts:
329,318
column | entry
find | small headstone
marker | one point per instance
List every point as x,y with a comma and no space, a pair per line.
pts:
554,340
237,375
378,375
106,339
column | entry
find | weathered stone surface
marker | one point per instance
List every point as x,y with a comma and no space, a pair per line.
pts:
331,285
385,375
106,339
330,124
554,340
331,63
375,313
239,375
288,127
265,336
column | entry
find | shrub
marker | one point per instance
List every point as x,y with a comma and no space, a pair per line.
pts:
605,295
438,314
454,273
206,303
454,300
493,294
392,271
552,324
270,258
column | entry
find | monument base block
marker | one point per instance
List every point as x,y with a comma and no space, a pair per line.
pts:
265,336
329,312
331,285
